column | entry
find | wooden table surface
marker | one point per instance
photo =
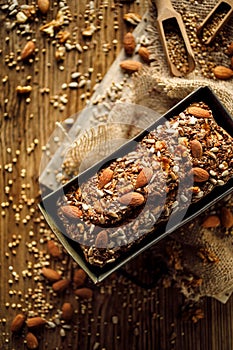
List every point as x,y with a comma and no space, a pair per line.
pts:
121,315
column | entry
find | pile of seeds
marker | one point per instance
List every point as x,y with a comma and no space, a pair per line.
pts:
214,21
176,47
206,56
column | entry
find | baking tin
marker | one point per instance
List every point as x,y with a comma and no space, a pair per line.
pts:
48,204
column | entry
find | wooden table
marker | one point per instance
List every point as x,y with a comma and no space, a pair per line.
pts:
121,315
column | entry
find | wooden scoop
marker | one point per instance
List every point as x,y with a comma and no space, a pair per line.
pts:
169,21
215,20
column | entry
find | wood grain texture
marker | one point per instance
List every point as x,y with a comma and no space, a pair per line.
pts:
121,315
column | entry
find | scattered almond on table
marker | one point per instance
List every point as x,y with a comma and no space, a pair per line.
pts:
84,293
18,323
51,274
144,54
53,249
226,218
43,6
31,341
129,43
211,221
131,66
79,277
61,285
67,311
222,72
28,50
230,49
35,322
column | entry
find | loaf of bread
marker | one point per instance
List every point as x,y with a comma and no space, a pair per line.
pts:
166,170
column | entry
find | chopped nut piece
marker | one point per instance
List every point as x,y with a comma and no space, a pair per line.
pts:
63,36
132,18
23,90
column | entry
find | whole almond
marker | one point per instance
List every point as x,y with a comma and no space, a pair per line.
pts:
211,221
101,240
79,277
61,285
67,311
196,149
53,249
35,322
84,293
144,177
43,6
17,323
200,175
198,112
129,43
132,198
50,274
222,72
144,54
105,177
71,211
226,217
31,341
230,49
131,66
28,50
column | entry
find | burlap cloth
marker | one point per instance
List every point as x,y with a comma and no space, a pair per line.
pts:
199,260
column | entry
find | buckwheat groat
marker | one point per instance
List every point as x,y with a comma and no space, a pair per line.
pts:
171,167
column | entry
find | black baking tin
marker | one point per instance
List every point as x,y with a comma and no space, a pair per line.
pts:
48,205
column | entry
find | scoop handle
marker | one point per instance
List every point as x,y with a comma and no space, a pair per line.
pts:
163,4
